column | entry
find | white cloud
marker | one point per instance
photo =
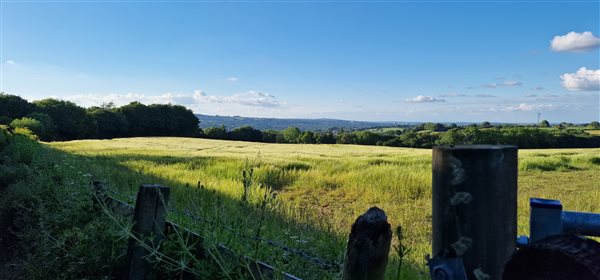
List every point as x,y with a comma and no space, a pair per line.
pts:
10,62
575,42
582,80
528,107
484,95
249,98
88,100
508,83
232,79
511,83
423,99
453,95
245,99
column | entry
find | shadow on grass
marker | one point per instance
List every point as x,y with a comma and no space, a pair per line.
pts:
224,218
551,163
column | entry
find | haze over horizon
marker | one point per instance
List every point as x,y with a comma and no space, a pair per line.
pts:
367,61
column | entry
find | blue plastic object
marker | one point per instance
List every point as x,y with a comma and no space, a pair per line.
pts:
547,218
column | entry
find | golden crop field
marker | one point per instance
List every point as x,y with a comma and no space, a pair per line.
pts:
307,196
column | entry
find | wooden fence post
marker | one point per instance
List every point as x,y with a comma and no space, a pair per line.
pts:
149,223
475,206
368,247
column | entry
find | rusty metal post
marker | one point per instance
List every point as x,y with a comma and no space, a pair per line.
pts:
475,206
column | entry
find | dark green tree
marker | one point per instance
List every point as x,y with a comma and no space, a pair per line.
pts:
4,120
139,117
110,122
14,107
159,120
291,134
33,125
270,136
433,126
307,137
49,132
216,132
366,137
187,122
72,122
325,137
451,137
346,138
246,133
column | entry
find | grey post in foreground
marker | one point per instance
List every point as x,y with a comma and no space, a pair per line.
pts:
475,206
149,223
368,247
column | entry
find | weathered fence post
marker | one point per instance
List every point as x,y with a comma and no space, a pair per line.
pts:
149,222
368,247
475,206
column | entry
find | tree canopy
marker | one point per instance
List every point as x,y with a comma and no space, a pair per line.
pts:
72,122
14,107
53,119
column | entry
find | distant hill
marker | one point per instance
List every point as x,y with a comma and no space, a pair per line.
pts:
279,124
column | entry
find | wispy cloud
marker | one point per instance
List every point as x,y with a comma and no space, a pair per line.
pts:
509,83
575,42
423,99
88,100
249,98
538,88
531,95
528,107
232,79
582,80
484,95
9,62
452,95
246,99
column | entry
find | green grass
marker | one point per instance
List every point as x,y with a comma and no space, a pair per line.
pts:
594,132
320,189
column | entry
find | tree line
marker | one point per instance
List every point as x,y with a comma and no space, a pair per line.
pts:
58,120
423,136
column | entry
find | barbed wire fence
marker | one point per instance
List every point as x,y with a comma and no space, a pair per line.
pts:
322,263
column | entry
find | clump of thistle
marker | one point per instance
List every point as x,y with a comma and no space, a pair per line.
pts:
400,249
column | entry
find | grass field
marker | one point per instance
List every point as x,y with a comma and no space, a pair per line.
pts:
319,189
593,132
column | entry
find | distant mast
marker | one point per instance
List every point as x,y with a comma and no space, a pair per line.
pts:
538,115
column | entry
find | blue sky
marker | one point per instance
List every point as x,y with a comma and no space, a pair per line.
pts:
401,61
